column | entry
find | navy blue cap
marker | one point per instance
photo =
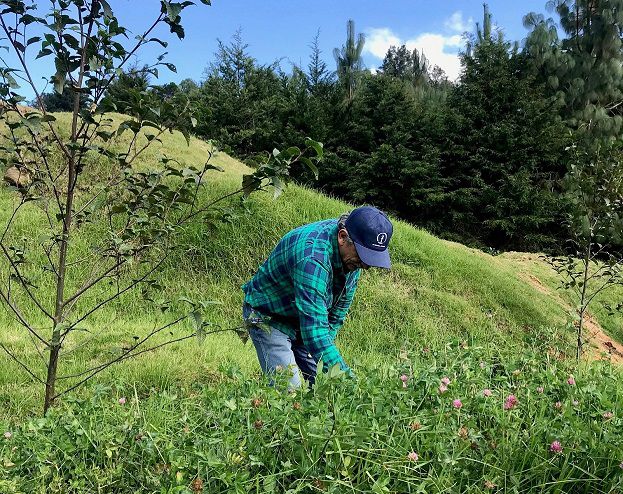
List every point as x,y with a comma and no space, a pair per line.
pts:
371,231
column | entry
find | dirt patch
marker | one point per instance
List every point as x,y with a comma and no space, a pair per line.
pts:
600,345
538,284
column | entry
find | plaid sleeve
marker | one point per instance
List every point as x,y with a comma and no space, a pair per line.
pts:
311,281
340,309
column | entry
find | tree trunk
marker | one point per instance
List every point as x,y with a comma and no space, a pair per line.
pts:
50,383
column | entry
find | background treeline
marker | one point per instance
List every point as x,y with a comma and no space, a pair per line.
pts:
482,160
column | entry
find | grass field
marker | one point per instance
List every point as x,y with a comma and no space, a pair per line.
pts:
443,310
437,291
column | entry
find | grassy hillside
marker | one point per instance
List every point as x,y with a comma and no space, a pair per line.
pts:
460,382
437,293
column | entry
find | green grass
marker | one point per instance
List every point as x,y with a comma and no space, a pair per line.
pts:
374,434
437,291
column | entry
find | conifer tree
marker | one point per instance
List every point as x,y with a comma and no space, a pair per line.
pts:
584,70
349,61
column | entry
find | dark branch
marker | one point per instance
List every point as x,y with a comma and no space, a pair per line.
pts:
22,364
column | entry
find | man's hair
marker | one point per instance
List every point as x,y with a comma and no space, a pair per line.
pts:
341,225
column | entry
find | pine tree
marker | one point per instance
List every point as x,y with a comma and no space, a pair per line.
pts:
318,75
501,162
411,66
349,61
584,70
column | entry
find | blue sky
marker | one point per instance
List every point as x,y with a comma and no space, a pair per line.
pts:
283,29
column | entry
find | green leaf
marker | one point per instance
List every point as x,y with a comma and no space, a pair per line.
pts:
171,67
316,146
250,183
164,44
59,82
243,334
278,185
307,162
106,8
197,321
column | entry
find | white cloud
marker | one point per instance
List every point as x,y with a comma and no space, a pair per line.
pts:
379,40
435,48
440,49
457,24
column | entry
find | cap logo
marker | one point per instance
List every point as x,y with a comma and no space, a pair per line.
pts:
381,238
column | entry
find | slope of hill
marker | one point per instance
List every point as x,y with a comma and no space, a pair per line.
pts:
438,292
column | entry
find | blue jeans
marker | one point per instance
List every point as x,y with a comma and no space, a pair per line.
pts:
276,350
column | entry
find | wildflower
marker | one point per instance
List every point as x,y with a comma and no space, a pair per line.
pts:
571,381
482,365
486,392
197,485
296,405
256,402
413,456
457,403
415,426
539,389
445,380
425,349
489,484
319,484
8,435
516,372
555,447
621,465
510,402
576,403
122,401
608,415
443,388
463,433
558,405
404,378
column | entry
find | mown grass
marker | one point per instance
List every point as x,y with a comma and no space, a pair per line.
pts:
437,291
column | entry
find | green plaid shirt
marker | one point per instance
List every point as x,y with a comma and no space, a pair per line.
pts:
304,290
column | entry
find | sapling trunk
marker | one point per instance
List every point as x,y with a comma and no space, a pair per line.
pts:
583,303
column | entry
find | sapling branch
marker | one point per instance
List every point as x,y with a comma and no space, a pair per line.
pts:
126,355
20,317
22,364
114,296
127,57
24,283
33,85
11,219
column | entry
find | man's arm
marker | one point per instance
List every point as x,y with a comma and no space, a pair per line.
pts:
338,312
311,280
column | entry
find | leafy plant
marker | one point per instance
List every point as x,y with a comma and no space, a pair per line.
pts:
87,177
595,189
460,419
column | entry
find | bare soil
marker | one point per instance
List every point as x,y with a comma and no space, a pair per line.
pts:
599,346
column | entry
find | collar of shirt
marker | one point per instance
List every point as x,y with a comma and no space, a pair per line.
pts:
336,259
